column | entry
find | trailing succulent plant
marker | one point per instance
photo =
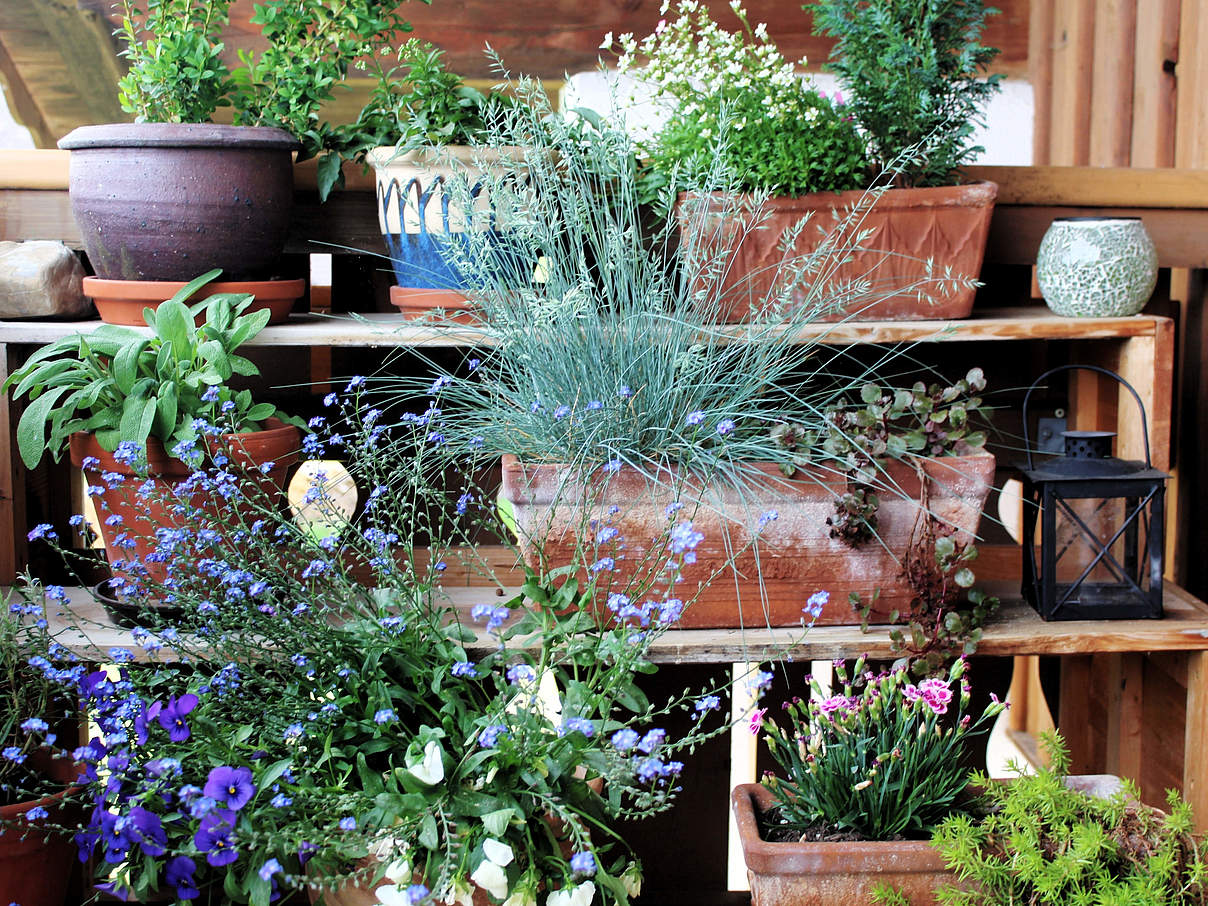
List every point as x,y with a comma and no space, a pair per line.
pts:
1043,842
947,612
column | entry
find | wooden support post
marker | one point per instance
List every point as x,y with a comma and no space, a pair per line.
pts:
1195,738
1148,364
1124,715
11,530
1074,717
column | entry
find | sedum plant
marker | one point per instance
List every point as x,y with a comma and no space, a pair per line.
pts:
732,93
881,757
1043,842
914,73
124,385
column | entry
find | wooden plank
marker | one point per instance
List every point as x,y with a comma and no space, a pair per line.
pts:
1136,187
1016,630
1164,707
1040,74
1074,715
1109,187
21,104
12,509
1191,128
1154,86
1073,56
1112,83
1148,364
33,214
1195,739
548,38
391,329
1016,231
1125,720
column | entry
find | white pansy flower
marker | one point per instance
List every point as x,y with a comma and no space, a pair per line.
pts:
392,895
574,895
632,879
491,878
432,769
522,896
399,871
459,892
496,851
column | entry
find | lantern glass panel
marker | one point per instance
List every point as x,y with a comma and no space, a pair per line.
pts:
1102,550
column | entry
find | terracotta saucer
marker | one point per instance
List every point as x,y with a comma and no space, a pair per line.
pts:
123,301
419,303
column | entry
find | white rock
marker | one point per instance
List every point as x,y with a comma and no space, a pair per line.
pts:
40,279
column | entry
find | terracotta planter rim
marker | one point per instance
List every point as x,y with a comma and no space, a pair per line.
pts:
59,769
160,463
981,193
769,858
178,135
155,290
386,156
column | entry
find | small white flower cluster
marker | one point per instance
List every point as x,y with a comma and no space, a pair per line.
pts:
691,58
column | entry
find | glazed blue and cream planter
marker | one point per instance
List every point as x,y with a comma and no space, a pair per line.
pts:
428,201
1097,267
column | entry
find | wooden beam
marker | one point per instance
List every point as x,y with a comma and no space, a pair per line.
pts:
1195,739
21,104
1132,187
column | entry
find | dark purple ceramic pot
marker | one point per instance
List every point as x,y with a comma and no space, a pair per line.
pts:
169,201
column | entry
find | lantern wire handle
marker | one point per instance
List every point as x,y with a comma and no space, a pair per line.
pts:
1111,374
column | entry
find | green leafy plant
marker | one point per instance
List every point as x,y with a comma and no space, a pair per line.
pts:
881,757
177,73
416,103
732,94
597,353
913,72
126,386
321,713
1043,842
931,420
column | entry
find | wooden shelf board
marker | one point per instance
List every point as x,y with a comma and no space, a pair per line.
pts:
1016,630
389,329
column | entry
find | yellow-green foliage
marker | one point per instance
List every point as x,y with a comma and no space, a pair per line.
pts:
1042,843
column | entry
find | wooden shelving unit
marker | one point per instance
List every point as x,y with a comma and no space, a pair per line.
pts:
1134,695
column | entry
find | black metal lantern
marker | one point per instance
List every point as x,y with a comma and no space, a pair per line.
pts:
1101,522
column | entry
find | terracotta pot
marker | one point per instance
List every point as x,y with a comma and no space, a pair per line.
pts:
123,301
846,874
830,874
557,510
417,303
947,225
169,201
418,216
36,869
141,516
